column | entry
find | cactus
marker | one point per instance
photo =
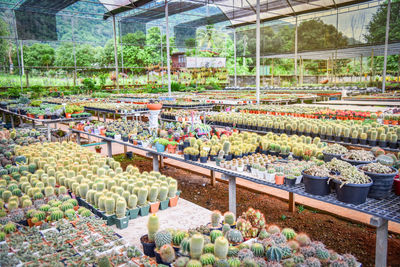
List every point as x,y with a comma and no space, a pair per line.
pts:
382,137
374,135
83,189
6,195
234,262
257,249
215,234
86,213
274,253
185,246
181,262
163,193
221,263
338,263
193,263
26,203
142,196
289,233
221,247
12,205
56,215
49,191
263,234
196,246
313,262
307,251
273,229
153,193
350,260
303,239
172,188
225,228
322,254
66,206
167,253
2,236
9,228
177,237
109,205
234,236
394,138
120,208
215,218
152,227
207,259
209,248
233,251
132,201
229,218
245,253
226,147
162,237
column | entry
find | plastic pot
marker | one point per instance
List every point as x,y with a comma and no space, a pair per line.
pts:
194,157
316,185
363,141
372,142
383,143
382,183
290,182
129,154
186,156
328,157
397,186
203,159
352,193
160,147
355,162
148,248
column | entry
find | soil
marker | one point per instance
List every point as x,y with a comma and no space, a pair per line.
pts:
338,234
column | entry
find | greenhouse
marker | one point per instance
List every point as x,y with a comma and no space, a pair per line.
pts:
198,133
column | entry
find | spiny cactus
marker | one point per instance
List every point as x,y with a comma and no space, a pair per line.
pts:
153,193
209,248
234,236
193,263
221,247
142,196
272,229
132,201
181,261
120,208
274,253
221,263
9,228
152,227
215,234
215,218
177,237
245,253
196,246
163,193
185,246
234,262
109,205
56,215
307,251
207,259
229,218
257,249
167,253
303,239
172,188
263,234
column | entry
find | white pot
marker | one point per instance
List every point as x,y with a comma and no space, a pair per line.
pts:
270,177
117,137
222,164
239,168
254,171
260,175
298,179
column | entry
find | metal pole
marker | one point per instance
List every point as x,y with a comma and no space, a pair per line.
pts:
122,54
115,53
22,58
232,194
18,58
168,56
258,52
74,49
372,66
386,47
361,69
234,54
162,58
295,52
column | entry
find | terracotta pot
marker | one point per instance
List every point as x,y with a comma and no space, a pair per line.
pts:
279,179
103,132
386,122
98,150
68,115
40,117
154,207
171,149
173,201
157,106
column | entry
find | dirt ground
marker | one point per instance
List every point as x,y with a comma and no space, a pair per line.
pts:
337,234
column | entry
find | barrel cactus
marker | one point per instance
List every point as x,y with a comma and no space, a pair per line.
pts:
234,236
177,237
162,238
221,247
56,215
257,249
196,246
193,263
167,253
229,218
289,233
9,228
274,253
215,234
207,259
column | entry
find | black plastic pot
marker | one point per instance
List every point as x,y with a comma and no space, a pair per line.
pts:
316,185
383,143
181,147
228,157
393,145
284,156
346,139
203,159
328,157
148,248
352,193
382,183
212,157
186,144
194,157
363,141
329,137
129,154
125,139
158,257
323,136
355,162
354,140
186,156
337,138
290,182
372,142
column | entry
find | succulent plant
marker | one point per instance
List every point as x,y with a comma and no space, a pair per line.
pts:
167,253
234,262
109,205
234,236
273,229
376,168
185,246
120,208
152,227
9,228
274,253
208,248
181,261
245,253
207,259
257,249
214,234
196,246
335,149
312,262
303,239
221,247
289,233
229,218
307,251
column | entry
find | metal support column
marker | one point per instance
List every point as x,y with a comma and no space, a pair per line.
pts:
48,132
295,53
22,59
104,117
234,55
372,66
74,48
232,194
386,47
381,240
18,56
156,163
361,67
122,55
12,121
109,149
78,138
162,57
168,55
258,52
115,53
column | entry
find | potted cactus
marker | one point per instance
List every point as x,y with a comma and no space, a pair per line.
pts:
215,223
148,240
142,201
203,156
98,149
358,157
121,219
333,151
315,180
152,197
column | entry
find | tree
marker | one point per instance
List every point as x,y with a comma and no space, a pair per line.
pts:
39,55
210,37
85,55
4,43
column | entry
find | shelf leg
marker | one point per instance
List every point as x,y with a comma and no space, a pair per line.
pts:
156,163
109,149
4,117
48,132
12,121
212,174
292,202
232,194
78,138
125,149
161,162
104,117
381,240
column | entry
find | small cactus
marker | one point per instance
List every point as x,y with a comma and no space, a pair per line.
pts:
167,253
215,218
120,208
207,259
215,234
221,247
193,263
162,237
274,253
152,227
257,249
196,246
109,205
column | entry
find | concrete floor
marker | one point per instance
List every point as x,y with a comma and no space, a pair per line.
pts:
184,216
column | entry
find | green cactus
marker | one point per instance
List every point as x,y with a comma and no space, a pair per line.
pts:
322,254
83,189
209,248
86,213
142,196
120,208
185,246
12,205
193,263
110,206
132,201
177,237
229,218
214,234
26,203
221,247
274,253
152,227
225,228
162,237
167,253
374,135
215,218
181,261
172,188
66,206
207,259
303,239
56,215
9,228
234,236
163,193
6,195
196,246
234,262
153,193
289,233
2,236
257,249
